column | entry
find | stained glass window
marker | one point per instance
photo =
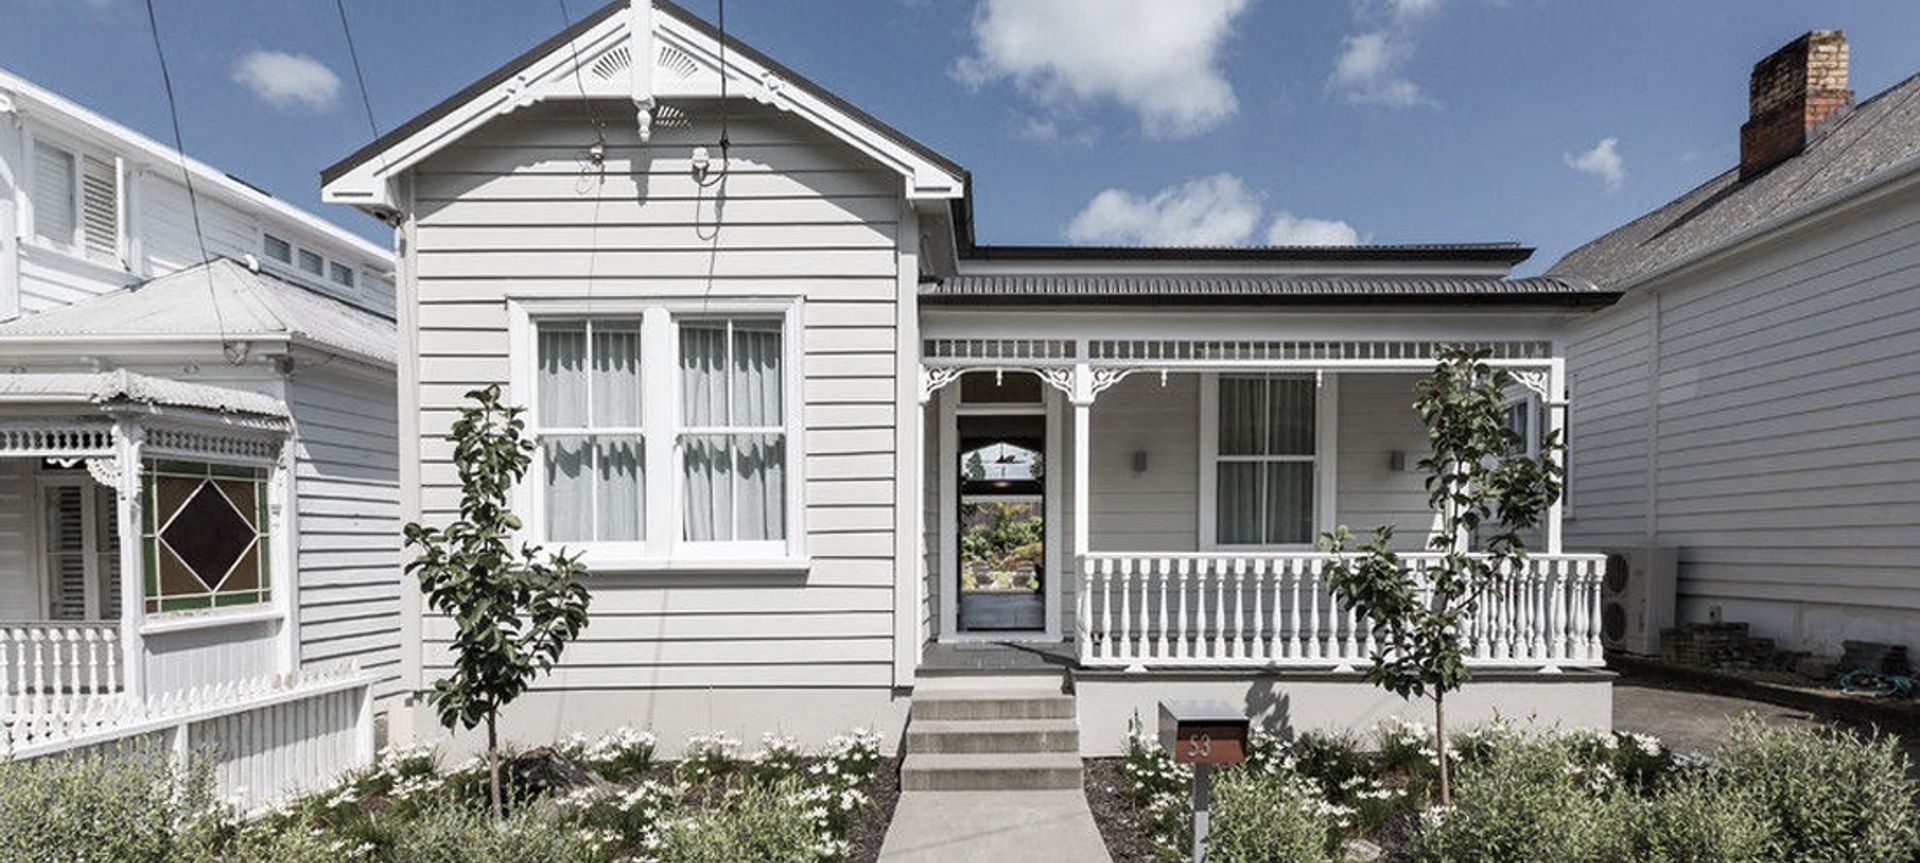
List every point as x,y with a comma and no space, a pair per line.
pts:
204,536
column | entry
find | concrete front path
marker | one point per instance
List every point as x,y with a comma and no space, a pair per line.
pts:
993,827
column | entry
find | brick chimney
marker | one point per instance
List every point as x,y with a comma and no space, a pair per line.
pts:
1793,91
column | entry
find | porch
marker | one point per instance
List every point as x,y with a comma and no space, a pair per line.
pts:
1187,480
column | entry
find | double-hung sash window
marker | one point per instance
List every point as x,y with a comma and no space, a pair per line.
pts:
1263,457
733,442
664,435
592,441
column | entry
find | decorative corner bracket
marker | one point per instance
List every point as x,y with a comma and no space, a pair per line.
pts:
1533,380
934,378
105,471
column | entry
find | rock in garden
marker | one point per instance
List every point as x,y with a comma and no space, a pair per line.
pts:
544,772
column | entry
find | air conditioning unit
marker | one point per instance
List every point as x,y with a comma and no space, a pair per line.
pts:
1637,598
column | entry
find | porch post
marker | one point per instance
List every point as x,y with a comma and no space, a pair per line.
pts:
129,439
1556,404
1082,439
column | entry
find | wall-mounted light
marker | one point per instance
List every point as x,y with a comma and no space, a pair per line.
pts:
1397,461
1139,461
701,163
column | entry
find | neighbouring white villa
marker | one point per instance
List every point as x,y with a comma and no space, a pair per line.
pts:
1753,402
831,459
198,495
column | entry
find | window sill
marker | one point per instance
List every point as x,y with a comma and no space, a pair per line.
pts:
188,621
624,565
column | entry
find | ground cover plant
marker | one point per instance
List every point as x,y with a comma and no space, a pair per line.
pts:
1769,794
776,803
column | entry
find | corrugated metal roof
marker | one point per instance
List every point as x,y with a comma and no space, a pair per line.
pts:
240,305
1137,288
1875,135
123,385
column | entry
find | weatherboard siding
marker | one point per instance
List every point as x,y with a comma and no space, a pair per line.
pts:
514,209
1783,445
347,485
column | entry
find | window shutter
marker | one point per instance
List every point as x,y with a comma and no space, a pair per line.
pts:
66,553
106,551
100,210
54,213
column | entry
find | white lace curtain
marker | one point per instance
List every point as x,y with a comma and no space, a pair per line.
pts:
589,413
1263,493
734,453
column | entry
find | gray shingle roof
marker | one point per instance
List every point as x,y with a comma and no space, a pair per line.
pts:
219,299
1243,289
1876,134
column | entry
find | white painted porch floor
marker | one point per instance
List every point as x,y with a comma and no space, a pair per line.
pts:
993,827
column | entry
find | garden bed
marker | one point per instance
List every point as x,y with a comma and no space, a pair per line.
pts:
1768,795
602,800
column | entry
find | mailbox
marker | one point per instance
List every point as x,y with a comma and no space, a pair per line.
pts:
1203,732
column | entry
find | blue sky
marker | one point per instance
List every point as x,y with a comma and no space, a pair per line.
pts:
1218,121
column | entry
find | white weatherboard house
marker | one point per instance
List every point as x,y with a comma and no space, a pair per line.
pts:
198,496
815,441
1754,400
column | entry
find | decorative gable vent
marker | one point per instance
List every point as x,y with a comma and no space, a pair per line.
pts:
677,62
669,117
612,63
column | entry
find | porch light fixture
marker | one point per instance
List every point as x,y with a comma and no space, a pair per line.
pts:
1139,461
701,164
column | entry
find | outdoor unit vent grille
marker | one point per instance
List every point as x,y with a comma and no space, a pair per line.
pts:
1638,595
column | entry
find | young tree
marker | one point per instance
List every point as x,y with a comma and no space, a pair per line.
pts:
514,609
1484,486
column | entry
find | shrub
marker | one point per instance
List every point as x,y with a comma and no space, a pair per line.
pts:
1691,821
454,833
120,806
778,758
707,757
1262,817
1830,796
751,824
1522,805
619,754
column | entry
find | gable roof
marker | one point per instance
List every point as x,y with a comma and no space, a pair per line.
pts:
1134,289
221,299
1499,253
833,113
1875,136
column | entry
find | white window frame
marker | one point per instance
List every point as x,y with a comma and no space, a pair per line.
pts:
268,237
1325,457
663,549
75,246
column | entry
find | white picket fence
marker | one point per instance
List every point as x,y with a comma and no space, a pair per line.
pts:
1258,610
59,667
267,738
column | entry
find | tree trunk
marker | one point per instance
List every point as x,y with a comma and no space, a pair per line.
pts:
1440,745
493,764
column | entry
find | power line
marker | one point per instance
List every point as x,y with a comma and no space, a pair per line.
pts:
360,78
186,174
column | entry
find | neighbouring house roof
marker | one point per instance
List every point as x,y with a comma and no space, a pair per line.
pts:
1878,134
104,388
1505,253
222,299
1256,290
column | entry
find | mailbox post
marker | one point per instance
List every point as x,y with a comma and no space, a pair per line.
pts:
1203,734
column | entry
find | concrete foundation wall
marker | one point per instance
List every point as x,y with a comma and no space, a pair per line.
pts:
1109,701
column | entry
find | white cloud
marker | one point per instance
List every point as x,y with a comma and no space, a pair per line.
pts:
1215,210
1602,161
1155,58
1368,72
287,80
1370,68
1290,230
1042,130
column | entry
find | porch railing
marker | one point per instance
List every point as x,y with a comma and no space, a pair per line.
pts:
1254,610
58,667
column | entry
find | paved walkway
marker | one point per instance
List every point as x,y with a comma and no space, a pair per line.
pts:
993,827
1690,721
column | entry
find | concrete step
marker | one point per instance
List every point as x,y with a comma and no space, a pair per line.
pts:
990,772
939,682
997,736
989,704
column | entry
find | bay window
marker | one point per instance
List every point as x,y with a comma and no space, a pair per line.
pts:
665,430
1260,467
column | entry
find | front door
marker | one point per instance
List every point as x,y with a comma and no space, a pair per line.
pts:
1002,566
